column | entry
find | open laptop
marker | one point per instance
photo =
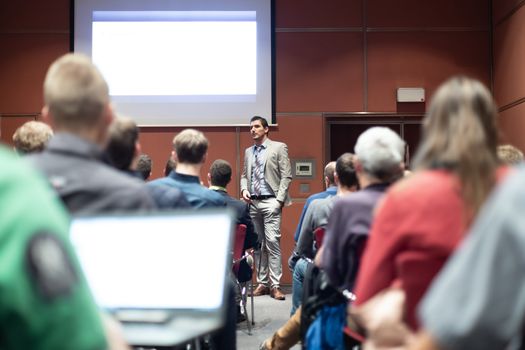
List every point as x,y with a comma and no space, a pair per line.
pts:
164,275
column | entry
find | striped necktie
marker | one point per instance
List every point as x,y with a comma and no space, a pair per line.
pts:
257,171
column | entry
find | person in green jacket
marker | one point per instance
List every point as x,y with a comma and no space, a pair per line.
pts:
45,302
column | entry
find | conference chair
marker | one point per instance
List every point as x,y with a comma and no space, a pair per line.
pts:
238,256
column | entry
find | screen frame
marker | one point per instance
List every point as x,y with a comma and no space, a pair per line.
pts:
273,83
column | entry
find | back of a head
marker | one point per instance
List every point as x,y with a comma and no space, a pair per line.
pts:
381,152
460,134
344,167
329,171
220,173
75,93
31,137
191,146
510,155
144,165
170,165
122,138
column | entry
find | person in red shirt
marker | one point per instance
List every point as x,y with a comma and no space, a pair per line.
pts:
424,217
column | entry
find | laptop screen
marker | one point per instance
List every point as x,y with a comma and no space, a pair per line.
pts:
175,261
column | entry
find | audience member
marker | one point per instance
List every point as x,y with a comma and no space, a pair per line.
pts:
219,177
144,166
190,150
316,216
330,190
378,161
77,106
422,219
265,179
46,303
510,155
31,137
478,299
123,148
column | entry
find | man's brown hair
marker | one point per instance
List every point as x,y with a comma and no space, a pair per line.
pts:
191,146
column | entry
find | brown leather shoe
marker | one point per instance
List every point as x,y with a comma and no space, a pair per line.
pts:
277,294
261,290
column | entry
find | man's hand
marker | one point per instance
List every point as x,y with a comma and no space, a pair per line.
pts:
245,195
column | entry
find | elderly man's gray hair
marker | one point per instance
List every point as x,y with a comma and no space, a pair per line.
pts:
381,152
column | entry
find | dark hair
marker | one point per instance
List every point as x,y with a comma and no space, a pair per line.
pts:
460,134
220,173
122,137
264,122
344,167
191,146
144,166
170,165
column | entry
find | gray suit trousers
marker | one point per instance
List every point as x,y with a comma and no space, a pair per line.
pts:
266,216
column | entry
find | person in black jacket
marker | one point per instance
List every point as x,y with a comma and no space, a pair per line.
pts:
219,176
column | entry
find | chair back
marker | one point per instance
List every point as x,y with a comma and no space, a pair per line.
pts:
238,246
319,236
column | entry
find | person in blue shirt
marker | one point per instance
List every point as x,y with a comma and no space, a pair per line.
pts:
331,190
190,150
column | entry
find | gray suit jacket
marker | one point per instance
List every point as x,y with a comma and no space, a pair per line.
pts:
277,170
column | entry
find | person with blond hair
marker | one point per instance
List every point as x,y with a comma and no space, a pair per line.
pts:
510,155
32,136
77,106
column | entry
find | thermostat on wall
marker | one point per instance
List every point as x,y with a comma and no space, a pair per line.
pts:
303,168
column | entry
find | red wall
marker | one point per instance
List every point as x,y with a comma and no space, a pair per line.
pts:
331,57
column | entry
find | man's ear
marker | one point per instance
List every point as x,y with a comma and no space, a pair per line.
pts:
138,149
326,182
204,157
209,179
46,117
109,115
357,165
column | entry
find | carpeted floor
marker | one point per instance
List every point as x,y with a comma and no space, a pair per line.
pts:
270,314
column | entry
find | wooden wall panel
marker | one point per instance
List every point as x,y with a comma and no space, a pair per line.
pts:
415,13
23,69
319,72
503,8
421,59
315,13
34,15
512,123
509,58
8,126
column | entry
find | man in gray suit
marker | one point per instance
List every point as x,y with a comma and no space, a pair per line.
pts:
265,180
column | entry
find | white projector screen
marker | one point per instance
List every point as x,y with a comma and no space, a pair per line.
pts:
182,63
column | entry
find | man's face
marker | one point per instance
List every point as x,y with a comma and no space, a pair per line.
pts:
257,130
